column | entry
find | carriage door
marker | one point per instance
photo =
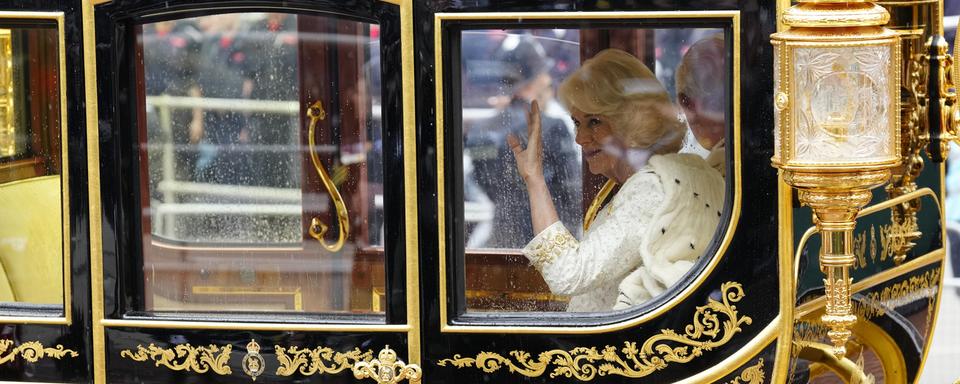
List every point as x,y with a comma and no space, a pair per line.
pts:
251,183
585,299
42,161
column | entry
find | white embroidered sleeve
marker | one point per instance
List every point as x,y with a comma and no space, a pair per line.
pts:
549,244
608,251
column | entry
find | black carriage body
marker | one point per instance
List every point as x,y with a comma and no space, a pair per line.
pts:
733,318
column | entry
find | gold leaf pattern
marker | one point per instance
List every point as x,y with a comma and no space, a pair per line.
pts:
323,360
185,357
32,351
713,325
751,375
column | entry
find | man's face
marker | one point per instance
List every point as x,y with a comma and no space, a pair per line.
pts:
707,126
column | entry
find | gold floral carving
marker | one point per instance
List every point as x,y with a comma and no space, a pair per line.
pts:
751,375
323,360
32,351
185,357
713,325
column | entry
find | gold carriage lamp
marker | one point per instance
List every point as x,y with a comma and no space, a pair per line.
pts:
837,136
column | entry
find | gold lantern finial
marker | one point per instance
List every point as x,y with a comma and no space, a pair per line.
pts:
837,114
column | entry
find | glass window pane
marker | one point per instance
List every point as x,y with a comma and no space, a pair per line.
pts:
644,108
32,198
238,191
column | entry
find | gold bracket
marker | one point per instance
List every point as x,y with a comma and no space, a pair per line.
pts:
318,228
847,369
387,369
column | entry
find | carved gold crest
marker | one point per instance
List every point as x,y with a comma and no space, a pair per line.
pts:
253,363
387,369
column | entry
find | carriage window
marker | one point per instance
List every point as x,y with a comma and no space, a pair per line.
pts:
261,161
592,165
32,192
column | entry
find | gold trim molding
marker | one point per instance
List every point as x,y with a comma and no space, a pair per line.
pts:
32,351
753,374
706,332
323,360
185,357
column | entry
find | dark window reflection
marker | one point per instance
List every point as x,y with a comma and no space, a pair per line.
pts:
232,185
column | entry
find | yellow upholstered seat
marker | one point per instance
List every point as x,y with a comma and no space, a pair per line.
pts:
31,241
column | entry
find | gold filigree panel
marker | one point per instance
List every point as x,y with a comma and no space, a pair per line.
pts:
32,351
713,325
322,360
753,374
185,357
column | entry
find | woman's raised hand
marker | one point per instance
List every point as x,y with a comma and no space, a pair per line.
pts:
530,159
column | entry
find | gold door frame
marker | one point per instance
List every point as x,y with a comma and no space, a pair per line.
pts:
412,326
66,319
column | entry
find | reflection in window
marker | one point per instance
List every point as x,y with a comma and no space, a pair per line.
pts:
8,132
644,111
232,187
32,199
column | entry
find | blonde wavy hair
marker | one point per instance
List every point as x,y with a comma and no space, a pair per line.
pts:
617,85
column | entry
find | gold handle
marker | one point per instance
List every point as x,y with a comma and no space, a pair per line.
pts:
387,369
318,228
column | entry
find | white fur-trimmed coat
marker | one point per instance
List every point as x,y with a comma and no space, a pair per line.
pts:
642,242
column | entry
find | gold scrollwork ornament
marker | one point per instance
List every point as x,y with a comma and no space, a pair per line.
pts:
185,357
32,351
713,325
253,363
387,369
323,360
751,375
